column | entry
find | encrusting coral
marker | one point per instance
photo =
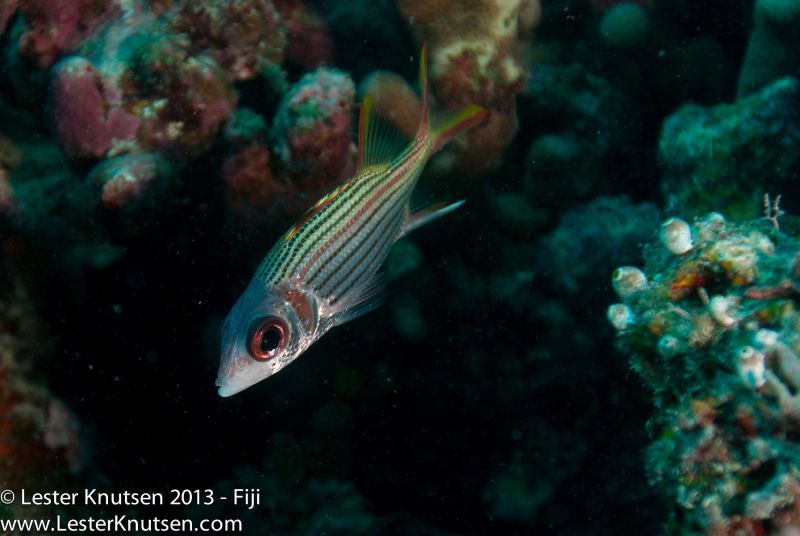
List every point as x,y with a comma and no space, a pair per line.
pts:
39,434
709,155
711,326
774,47
475,58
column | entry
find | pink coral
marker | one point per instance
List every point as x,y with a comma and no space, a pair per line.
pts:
310,43
88,123
143,91
314,151
55,27
248,179
241,35
187,108
314,123
38,433
127,179
7,9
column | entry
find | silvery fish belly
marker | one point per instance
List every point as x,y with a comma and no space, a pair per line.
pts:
322,272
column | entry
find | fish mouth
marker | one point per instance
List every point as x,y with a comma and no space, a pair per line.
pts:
226,390
230,384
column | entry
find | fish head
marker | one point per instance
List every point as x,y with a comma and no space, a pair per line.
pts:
266,329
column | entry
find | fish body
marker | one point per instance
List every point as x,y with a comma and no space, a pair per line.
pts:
322,272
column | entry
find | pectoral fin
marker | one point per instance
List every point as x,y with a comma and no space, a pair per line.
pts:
359,300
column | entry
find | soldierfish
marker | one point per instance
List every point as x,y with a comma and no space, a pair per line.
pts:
323,271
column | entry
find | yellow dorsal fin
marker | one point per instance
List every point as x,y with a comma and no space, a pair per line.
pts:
378,143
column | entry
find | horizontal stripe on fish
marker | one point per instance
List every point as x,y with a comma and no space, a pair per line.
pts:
285,262
391,209
368,263
352,252
331,215
285,254
364,216
375,261
348,247
362,210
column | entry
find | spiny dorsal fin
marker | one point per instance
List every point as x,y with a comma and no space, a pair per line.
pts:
378,143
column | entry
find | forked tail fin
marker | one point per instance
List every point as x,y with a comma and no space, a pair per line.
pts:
444,126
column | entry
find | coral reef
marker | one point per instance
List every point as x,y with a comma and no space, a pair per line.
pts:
312,127
584,127
152,151
605,231
88,123
710,156
141,89
38,433
310,44
475,59
54,28
240,35
275,173
773,51
710,326
246,168
129,181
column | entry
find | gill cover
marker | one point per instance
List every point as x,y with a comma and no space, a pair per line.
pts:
261,335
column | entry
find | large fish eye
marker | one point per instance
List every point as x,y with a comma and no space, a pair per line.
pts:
267,338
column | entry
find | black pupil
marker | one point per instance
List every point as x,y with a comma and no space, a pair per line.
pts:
270,339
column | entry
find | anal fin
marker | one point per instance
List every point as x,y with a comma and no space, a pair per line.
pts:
428,214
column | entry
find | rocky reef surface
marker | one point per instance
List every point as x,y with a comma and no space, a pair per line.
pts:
152,151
